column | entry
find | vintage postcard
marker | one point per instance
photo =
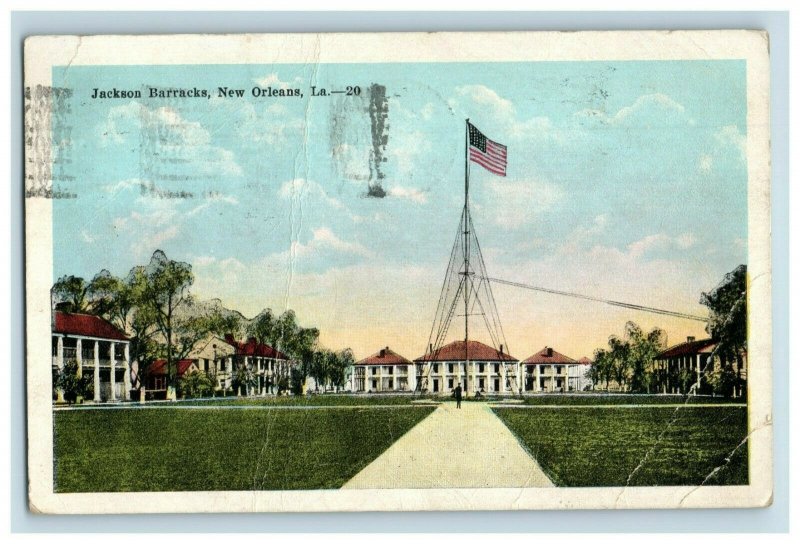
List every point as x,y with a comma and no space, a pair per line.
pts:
446,271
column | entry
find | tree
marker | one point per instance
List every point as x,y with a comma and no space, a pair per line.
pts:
196,385
243,378
643,350
727,325
69,293
619,352
166,289
603,366
337,373
287,336
72,384
630,359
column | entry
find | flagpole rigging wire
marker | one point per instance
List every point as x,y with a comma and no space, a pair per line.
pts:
598,299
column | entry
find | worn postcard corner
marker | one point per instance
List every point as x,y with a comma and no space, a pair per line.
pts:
399,271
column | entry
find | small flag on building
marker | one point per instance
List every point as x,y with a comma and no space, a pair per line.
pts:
489,154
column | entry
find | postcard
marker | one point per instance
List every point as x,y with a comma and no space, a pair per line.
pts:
399,271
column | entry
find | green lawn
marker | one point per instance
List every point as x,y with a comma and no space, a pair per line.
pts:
602,447
594,399
166,449
312,400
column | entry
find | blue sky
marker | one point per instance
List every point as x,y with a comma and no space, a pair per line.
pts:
626,180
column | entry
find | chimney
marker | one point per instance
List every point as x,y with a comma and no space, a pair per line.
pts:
383,353
430,347
549,352
229,338
690,338
501,349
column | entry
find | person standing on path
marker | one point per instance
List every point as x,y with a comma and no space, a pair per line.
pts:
458,396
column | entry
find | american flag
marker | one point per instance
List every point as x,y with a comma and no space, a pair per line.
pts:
489,154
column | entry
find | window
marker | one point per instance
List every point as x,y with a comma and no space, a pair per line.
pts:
559,369
374,371
496,368
450,368
450,383
480,367
391,370
391,383
436,367
481,383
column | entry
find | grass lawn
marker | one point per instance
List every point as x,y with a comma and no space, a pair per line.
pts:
311,400
602,447
593,399
167,449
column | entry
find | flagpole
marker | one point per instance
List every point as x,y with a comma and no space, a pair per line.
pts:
466,256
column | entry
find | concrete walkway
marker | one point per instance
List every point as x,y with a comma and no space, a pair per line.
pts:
469,447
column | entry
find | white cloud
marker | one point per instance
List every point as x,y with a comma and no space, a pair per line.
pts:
705,163
488,99
324,237
650,104
164,135
501,111
661,241
409,193
210,200
272,80
515,203
299,190
731,136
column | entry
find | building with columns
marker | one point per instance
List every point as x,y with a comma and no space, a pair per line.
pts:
578,375
477,367
383,371
691,362
97,347
547,371
267,365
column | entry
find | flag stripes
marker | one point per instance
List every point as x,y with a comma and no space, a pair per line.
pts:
489,154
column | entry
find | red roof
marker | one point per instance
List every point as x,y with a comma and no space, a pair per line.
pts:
86,325
584,361
694,347
159,367
252,348
548,356
456,351
384,357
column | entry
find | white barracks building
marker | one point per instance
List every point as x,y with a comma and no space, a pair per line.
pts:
476,366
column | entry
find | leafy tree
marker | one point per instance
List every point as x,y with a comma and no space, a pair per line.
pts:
727,325
287,336
70,294
603,367
644,348
619,352
72,383
196,384
723,381
629,360
337,374
243,378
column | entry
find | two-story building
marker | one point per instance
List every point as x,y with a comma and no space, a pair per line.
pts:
98,347
268,365
547,371
686,367
477,367
383,371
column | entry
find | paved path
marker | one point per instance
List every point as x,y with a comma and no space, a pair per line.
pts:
470,447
